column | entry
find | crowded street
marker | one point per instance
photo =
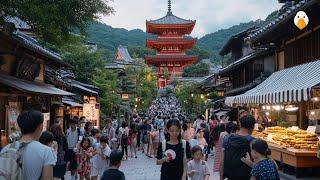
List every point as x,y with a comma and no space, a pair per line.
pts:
160,90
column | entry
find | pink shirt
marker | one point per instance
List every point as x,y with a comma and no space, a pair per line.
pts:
218,153
202,142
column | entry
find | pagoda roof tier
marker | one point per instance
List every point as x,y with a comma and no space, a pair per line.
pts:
159,43
160,60
170,21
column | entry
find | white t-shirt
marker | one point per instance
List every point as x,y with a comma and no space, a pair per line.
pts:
72,138
97,160
35,157
201,169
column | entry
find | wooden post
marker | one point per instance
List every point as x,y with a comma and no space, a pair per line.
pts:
303,119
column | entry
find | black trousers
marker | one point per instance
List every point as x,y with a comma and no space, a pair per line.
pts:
138,139
124,148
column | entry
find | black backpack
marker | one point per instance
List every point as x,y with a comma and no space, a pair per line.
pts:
236,147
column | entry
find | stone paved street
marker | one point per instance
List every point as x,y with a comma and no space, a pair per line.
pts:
144,168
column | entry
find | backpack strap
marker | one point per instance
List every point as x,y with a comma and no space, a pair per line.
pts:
164,144
20,151
184,146
79,133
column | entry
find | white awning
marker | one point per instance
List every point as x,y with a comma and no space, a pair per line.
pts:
289,85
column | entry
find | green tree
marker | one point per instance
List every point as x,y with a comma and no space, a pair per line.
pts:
53,20
82,62
190,98
197,70
109,84
139,51
145,83
200,52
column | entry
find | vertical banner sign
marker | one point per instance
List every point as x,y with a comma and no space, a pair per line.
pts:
46,119
92,113
13,111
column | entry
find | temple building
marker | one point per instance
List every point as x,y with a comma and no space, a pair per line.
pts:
170,44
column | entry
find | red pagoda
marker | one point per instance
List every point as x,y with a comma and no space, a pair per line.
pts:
170,45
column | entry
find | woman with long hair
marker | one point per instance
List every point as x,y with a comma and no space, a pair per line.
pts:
173,167
59,170
133,139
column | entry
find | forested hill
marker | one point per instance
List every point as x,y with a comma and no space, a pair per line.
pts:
209,45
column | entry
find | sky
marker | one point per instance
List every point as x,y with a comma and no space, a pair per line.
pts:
210,15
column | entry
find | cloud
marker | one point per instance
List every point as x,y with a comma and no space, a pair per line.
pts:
211,15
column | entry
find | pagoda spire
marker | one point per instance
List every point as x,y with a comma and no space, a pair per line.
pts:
169,7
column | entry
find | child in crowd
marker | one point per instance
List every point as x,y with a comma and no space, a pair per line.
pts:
47,139
197,168
264,167
84,152
113,172
100,160
95,133
173,167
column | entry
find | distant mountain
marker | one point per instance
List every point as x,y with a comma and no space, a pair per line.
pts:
110,38
213,42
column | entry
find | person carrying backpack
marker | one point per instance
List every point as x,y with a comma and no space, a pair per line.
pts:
27,159
73,135
123,134
236,147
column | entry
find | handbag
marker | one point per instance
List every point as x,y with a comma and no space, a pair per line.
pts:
129,141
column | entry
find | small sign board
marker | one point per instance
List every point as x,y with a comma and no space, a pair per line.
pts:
311,129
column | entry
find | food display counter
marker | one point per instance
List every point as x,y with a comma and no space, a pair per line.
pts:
291,146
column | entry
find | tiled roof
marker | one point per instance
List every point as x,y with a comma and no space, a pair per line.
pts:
254,54
82,87
283,17
171,19
241,35
18,23
33,45
170,56
114,66
124,54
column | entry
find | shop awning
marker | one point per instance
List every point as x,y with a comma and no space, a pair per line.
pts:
289,85
32,87
71,102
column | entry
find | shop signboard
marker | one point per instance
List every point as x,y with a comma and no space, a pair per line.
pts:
92,113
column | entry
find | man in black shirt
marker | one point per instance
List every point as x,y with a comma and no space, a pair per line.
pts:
113,172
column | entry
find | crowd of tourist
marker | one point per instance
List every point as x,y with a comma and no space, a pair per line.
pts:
179,144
